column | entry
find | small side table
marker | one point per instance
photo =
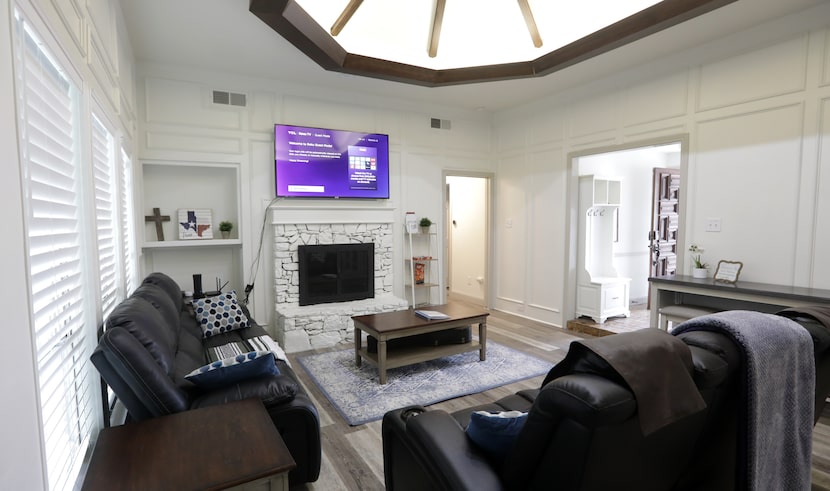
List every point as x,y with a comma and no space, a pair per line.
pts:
230,446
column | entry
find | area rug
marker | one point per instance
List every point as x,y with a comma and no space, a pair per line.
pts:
359,398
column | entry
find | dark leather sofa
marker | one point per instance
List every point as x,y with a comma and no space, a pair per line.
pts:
582,432
152,340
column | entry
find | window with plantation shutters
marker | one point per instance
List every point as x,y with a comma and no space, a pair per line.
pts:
103,163
48,106
126,221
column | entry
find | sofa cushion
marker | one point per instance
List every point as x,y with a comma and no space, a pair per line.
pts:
144,322
495,433
136,377
220,314
158,298
169,285
231,370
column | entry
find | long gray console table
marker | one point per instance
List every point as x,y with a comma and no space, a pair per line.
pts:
764,297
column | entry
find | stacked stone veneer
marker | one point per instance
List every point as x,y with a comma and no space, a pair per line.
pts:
322,325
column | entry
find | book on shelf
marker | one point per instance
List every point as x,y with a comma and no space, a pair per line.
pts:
431,314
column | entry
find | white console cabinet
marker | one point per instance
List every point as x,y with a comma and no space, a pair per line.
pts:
600,293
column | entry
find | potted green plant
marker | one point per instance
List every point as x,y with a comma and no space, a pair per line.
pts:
225,228
699,268
425,223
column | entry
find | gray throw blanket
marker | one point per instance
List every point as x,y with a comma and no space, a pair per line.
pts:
663,396
777,389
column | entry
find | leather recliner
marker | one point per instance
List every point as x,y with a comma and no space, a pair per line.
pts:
582,432
586,434
152,340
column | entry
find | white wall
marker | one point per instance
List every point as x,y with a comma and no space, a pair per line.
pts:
178,121
756,120
89,39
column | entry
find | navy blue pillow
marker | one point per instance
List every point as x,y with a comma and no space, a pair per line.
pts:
234,369
495,433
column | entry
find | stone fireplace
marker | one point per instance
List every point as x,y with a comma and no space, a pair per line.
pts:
300,328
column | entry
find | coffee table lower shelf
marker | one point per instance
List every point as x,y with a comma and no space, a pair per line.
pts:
400,357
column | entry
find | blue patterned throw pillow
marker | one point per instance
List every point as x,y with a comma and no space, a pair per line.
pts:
235,369
495,433
220,314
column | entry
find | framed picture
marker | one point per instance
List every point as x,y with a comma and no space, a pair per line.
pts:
195,223
728,271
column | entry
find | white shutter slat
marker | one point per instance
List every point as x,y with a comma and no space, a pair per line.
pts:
126,221
103,159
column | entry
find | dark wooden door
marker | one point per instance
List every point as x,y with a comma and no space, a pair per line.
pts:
665,220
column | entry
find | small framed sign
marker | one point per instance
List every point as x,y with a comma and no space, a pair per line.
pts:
195,223
728,271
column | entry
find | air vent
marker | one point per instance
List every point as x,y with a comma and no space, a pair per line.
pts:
439,124
229,98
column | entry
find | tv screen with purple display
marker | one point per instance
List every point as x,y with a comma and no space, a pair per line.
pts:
325,163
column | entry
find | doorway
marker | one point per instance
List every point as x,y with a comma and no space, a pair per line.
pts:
636,233
467,213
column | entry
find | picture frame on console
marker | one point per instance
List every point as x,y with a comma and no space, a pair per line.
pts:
728,271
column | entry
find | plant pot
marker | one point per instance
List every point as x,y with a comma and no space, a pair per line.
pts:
225,234
424,230
700,272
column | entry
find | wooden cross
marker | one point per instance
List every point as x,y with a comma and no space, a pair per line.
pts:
158,218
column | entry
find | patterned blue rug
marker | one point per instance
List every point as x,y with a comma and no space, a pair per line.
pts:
359,398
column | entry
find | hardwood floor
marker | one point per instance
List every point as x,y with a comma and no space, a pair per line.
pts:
353,455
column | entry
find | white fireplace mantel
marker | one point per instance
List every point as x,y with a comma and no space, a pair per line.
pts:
311,214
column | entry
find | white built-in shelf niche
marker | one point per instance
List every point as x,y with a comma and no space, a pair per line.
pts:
174,185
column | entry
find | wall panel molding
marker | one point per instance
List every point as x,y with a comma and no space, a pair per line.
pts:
157,140
107,80
765,73
71,15
656,100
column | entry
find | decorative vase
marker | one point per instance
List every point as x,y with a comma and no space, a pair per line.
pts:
226,234
700,272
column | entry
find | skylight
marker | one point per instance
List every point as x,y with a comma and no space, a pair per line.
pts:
472,32
445,42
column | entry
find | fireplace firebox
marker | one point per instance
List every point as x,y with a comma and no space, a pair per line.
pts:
336,272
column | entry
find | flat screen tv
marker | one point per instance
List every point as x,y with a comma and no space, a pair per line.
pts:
327,163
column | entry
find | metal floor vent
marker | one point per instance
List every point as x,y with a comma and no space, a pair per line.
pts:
439,124
229,98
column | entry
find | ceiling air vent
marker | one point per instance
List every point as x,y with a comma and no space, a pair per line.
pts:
439,124
229,98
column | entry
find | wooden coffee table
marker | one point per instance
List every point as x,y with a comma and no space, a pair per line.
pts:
404,323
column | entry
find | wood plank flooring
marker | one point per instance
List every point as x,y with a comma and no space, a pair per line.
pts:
353,455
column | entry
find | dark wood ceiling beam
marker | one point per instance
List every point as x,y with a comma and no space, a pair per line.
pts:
435,29
345,16
288,19
402,72
531,23
656,18
294,24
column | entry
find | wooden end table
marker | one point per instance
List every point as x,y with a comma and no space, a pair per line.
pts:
404,323
229,446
